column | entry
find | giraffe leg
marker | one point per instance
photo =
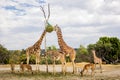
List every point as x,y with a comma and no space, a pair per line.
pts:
95,67
101,68
81,73
62,60
63,68
54,66
46,64
72,57
93,70
64,63
73,64
86,72
36,64
37,61
27,58
92,73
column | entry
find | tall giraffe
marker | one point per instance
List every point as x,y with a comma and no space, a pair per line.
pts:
35,49
69,51
97,60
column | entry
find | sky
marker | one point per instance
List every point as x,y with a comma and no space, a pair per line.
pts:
82,22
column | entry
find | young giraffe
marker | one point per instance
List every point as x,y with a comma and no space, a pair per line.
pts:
12,67
57,55
97,60
88,66
25,66
69,51
35,49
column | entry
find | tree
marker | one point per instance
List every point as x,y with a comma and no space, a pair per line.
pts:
89,48
108,48
115,51
82,54
4,55
15,56
23,57
51,48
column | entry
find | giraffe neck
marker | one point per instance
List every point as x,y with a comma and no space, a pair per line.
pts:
60,39
41,38
94,55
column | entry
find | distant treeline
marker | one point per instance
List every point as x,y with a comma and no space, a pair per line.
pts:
107,48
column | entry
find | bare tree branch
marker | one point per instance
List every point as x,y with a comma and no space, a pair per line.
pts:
42,9
43,12
48,11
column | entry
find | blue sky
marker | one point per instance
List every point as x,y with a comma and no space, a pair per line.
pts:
82,21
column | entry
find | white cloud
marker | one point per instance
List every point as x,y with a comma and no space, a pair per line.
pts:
81,21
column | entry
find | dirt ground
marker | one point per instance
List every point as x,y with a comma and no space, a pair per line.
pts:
110,72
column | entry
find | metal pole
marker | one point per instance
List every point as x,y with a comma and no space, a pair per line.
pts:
46,50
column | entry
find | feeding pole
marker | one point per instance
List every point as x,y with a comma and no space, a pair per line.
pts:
47,25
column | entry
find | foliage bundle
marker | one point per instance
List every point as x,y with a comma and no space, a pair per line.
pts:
49,27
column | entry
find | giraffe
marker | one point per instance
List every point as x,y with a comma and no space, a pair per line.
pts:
35,49
23,67
88,66
97,60
12,67
57,55
69,51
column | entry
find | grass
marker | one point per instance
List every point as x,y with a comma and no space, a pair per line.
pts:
7,75
111,72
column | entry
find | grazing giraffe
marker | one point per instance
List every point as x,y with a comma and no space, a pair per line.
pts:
97,60
88,66
69,51
25,66
35,49
57,55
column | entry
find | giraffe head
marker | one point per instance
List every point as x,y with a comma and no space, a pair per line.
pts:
93,51
81,72
56,28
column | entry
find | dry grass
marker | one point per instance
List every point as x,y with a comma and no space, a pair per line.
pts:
110,72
